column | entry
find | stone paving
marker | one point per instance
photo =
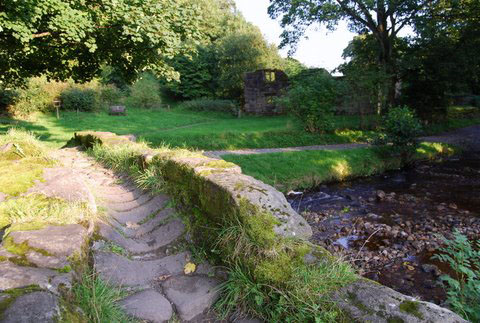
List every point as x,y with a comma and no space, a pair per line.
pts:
148,258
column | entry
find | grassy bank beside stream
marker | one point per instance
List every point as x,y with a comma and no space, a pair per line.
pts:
306,169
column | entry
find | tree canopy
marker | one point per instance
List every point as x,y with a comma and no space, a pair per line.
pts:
72,38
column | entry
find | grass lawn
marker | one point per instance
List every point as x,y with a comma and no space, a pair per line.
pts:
307,169
198,130
206,130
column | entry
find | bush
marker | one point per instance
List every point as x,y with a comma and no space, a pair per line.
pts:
145,93
82,99
7,98
37,95
463,290
402,127
211,105
110,95
312,99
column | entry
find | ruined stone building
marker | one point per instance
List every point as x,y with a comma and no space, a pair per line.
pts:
261,87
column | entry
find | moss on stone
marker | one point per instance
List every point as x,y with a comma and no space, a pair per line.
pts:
13,294
395,319
220,164
411,307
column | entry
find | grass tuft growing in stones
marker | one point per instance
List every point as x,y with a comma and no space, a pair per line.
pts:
22,160
34,211
98,300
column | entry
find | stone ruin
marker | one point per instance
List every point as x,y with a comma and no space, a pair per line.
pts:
261,88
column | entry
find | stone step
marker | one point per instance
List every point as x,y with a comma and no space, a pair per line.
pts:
120,198
142,212
133,230
152,241
34,307
121,271
148,305
116,189
13,276
191,295
130,205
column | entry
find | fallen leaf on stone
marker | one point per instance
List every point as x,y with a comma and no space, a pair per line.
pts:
189,268
132,225
163,277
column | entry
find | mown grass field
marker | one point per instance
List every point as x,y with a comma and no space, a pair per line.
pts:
198,130
206,130
307,169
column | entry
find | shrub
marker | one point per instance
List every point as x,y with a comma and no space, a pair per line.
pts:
402,127
145,93
463,290
7,98
82,99
37,95
110,95
211,105
312,99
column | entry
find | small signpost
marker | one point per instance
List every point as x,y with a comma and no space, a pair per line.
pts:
57,104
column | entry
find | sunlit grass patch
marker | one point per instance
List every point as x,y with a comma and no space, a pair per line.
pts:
307,169
36,210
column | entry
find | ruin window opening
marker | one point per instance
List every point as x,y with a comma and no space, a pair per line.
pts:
270,76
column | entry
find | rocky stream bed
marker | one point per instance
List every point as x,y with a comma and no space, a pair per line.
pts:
389,226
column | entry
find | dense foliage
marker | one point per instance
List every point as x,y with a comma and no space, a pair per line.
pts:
80,99
312,98
145,92
211,105
230,47
73,38
463,288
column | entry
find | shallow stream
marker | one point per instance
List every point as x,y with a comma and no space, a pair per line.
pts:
389,226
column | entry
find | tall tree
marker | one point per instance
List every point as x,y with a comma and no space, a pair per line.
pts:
384,19
72,38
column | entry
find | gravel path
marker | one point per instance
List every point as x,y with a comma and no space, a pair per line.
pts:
468,137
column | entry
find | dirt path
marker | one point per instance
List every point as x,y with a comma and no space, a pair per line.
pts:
140,246
469,137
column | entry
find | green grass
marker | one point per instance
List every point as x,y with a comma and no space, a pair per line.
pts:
307,169
208,130
98,300
182,128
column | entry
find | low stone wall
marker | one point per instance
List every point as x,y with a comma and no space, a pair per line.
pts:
215,193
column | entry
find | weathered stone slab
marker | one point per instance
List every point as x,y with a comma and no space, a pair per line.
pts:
13,276
192,295
367,301
149,226
158,238
60,241
112,197
148,305
43,261
66,184
3,197
265,197
130,205
33,308
142,212
121,271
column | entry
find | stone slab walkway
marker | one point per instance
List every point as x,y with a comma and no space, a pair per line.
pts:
464,137
150,251
139,245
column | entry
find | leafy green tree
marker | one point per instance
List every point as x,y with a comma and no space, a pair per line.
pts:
444,58
384,19
311,98
238,54
72,38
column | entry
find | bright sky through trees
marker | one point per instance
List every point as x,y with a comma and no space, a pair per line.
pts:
321,49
